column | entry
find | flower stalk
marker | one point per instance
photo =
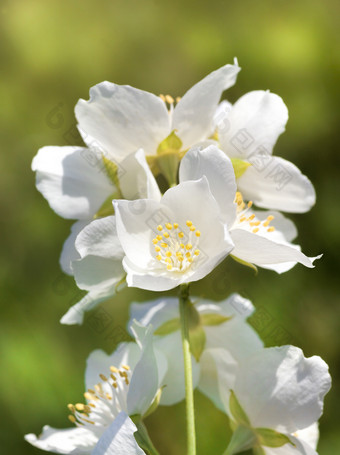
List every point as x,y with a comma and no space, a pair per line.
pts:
189,392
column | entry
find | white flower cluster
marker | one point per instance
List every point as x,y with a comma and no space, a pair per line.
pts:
163,191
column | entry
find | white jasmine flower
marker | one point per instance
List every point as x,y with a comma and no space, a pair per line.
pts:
260,238
80,184
121,119
247,132
274,399
177,240
129,381
217,325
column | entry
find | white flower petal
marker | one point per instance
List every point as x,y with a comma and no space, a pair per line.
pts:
119,438
193,116
136,179
75,315
218,375
281,389
100,238
235,305
68,441
69,252
156,312
217,168
99,362
123,119
258,116
309,435
134,226
259,250
98,274
74,186
192,200
301,448
174,390
282,224
275,183
151,280
144,382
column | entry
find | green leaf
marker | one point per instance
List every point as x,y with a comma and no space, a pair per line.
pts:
168,163
168,327
197,340
214,319
111,170
237,411
242,439
239,166
258,450
142,437
170,143
154,405
247,264
106,209
271,438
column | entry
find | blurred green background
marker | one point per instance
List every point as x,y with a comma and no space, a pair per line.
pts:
51,53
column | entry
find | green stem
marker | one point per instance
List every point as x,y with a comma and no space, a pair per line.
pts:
189,391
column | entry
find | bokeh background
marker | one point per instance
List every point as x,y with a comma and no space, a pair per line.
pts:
51,53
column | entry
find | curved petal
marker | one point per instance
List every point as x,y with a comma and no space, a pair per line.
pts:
236,336
99,238
218,375
98,274
259,250
144,381
235,306
151,280
194,114
281,389
123,119
136,221
136,179
254,123
218,170
119,438
310,435
156,312
278,185
74,185
192,200
69,252
67,441
75,314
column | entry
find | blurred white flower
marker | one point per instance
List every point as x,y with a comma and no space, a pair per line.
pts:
130,380
274,399
212,325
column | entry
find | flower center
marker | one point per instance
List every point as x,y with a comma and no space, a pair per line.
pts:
104,402
248,219
177,248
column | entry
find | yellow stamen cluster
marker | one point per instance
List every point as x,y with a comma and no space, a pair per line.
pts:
118,379
177,248
255,224
169,99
